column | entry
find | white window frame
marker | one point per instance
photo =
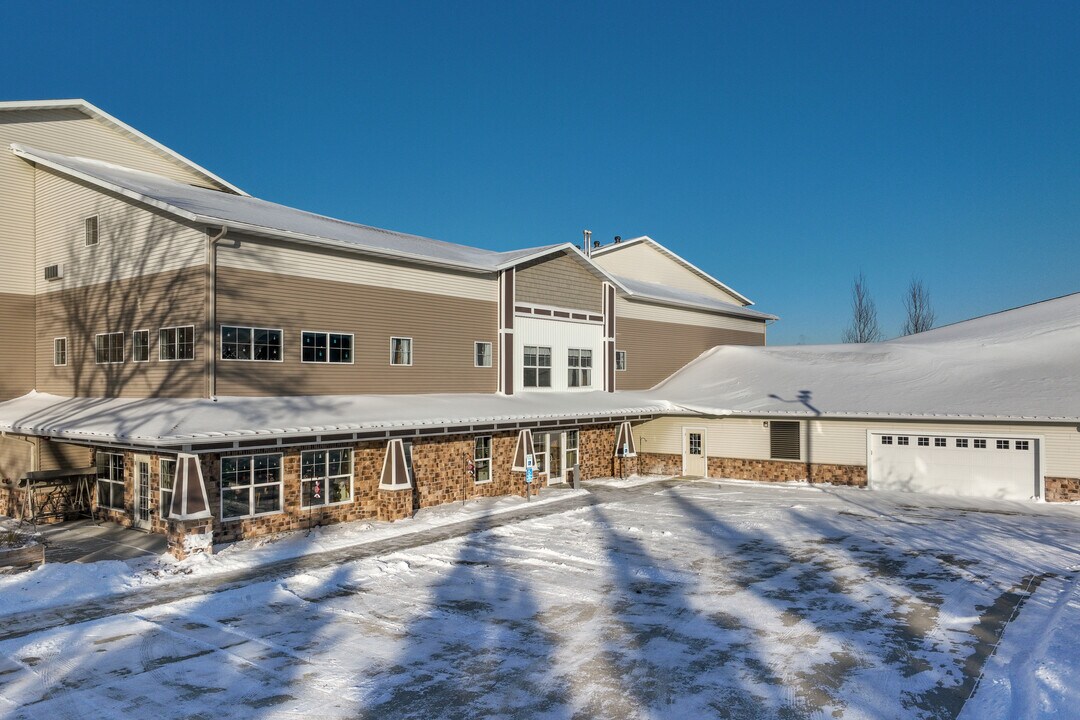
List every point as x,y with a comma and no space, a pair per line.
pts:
65,351
176,329
110,478
123,343
251,485
576,450
479,462
86,231
163,507
583,372
620,354
538,367
476,354
397,364
326,477
251,343
328,361
134,358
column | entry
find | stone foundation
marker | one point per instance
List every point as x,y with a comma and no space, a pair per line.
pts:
59,499
190,537
760,470
1059,489
659,464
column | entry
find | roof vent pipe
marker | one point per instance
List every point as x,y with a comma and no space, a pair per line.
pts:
618,239
588,242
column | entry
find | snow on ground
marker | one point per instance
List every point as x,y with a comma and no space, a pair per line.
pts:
627,482
708,599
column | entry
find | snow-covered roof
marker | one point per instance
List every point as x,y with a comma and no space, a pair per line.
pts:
249,214
191,421
677,296
1018,365
93,111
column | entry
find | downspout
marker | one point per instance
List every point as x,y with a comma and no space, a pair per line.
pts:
211,311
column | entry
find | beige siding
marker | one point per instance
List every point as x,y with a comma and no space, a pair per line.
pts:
132,240
60,455
645,310
16,345
14,459
655,350
247,253
443,329
641,261
843,442
559,281
149,302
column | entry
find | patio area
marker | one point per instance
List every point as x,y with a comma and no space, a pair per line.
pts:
82,541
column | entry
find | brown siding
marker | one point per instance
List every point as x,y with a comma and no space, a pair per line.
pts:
655,350
443,330
14,460
148,302
61,455
16,345
559,281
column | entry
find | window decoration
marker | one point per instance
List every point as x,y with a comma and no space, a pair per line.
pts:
250,485
624,441
247,343
400,351
325,477
326,347
109,348
522,448
176,343
397,466
579,368
110,480
537,367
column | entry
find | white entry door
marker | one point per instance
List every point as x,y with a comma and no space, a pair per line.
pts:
694,463
141,519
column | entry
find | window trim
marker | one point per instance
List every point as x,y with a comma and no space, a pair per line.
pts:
86,231
401,337
123,348
161,490
550,367
122,482
619,352
251,487
490,353
582,371
193,343
489,460
326,477
133,334
252,328
63,364
328,361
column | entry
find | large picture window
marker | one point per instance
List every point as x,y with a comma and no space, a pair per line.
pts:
250,485
246,343
110,480
177,343
537,367
109,348
579,368
166,478
325,477
482,459
322,347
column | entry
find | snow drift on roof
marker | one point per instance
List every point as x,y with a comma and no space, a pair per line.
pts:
663,293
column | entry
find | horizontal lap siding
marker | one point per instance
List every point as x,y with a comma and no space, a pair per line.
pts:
643,262
443,329
149,302
61,455
16,345
560,281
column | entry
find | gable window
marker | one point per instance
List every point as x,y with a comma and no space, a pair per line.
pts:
400,351
90,231
167,476
579,368
59,351
247,343
482,460
322,347
109,348
250,485
537,366
483,354
620,359
784,440
110,480
325,477
176,343
140,345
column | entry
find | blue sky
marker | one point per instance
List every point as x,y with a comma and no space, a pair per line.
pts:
782,147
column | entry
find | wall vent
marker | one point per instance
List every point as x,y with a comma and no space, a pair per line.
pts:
54,272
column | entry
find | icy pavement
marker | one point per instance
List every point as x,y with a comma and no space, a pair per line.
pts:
703,600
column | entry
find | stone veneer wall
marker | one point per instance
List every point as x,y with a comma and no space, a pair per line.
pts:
659,464
762,470
1059,489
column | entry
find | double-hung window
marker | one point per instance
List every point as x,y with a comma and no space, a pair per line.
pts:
60,351
140,346
325,477
177,343
90,231
537,366
571,448
579,368
322,347
483,354
109,348
250,485
110,480
482,459
167,476
400,351
248,343
620,360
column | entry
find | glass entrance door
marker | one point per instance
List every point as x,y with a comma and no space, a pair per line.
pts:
555,459
142,493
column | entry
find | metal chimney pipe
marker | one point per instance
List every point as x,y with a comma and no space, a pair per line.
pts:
588,242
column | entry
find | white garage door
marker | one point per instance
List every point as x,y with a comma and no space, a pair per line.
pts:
971,465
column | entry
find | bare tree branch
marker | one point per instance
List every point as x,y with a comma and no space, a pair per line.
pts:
920,314
864,324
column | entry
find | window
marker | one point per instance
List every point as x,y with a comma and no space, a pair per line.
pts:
483,354
140,345
1002,444
924,442
784,440
109,348
537,366
167,477
571,448
59,351
886,439
961,442
178,343
482,459
620,359
980,444
695,443
901,440
539,453
245,343
250,485
90,231
940,442
579,368
110,480
1021,444
325,477
400,351
321,347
